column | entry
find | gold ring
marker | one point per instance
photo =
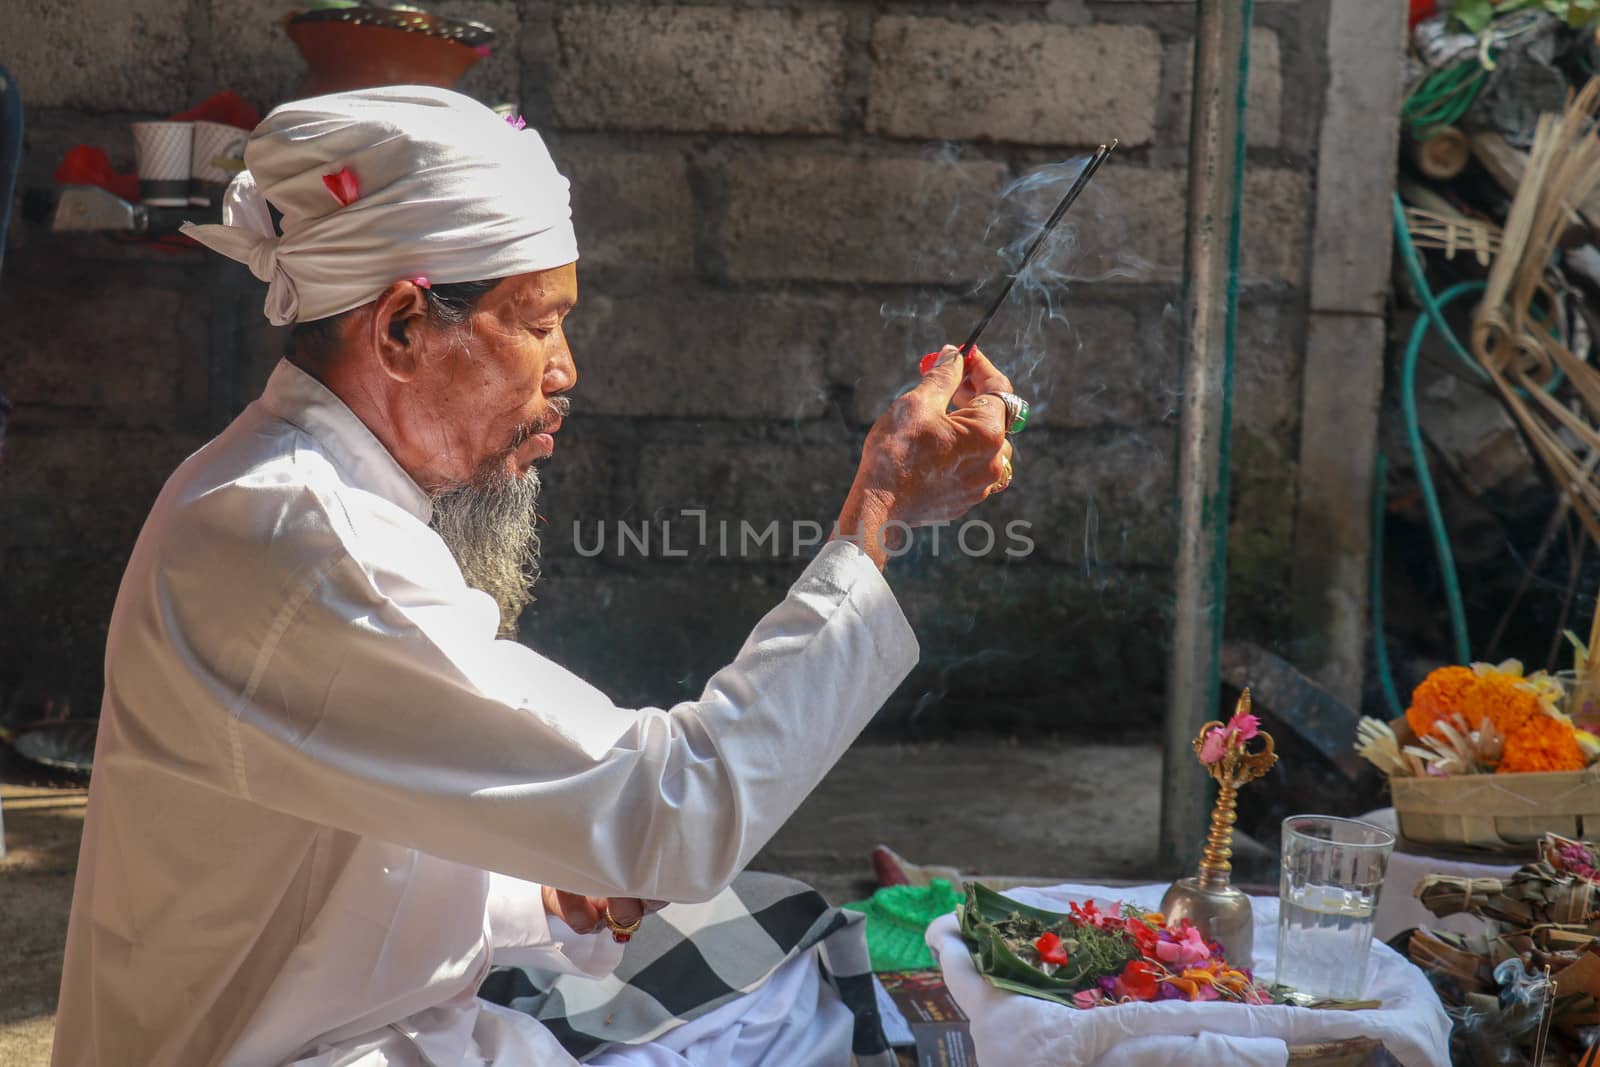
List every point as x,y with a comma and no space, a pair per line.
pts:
620,932
1006,474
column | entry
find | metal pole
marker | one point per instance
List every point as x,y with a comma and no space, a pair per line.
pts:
1210,302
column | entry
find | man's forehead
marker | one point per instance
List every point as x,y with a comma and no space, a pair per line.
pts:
543,290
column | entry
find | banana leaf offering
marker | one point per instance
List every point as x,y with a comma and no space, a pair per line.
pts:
1091,956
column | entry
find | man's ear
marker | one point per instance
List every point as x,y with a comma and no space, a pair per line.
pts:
395,329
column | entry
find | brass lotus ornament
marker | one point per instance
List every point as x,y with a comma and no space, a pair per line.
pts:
1220,911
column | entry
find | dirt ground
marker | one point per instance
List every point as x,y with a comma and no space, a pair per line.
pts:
982,805
43,822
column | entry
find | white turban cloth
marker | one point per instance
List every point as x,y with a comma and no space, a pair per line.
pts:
446,190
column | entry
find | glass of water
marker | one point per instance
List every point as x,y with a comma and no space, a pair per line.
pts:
1332,871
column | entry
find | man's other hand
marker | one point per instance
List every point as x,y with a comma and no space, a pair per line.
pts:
584,914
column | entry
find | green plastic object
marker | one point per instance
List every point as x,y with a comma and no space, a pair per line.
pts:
897,918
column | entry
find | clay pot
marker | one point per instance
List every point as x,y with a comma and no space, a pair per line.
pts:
343,55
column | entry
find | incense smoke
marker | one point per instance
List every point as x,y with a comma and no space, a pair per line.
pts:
1034,338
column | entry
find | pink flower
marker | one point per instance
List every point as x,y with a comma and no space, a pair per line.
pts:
1241,728
1086,998
421,282
516,122
1188,948
1576,859
343,185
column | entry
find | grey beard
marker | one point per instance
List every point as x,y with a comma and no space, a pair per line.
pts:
490,526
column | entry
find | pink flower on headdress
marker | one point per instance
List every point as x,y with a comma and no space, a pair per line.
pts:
343,186
516,122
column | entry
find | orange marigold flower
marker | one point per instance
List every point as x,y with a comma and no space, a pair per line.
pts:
1501,696
1542,743
1441,695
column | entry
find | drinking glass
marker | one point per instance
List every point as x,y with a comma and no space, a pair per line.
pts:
1332,872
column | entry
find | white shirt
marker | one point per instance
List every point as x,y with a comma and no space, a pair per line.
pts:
313,751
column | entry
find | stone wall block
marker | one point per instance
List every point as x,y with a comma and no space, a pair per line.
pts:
1275,231
1129,225
1035,83
1095,501
240,28
104,341
1079,364
1263,116
884,220
1267,366
96,483
1029,644
744,487
701,353
650,638
494,79
99,55
578,484
632,210
699,68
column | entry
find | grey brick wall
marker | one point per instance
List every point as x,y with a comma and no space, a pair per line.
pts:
781,205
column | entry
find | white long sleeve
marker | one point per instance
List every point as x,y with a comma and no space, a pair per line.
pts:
371,696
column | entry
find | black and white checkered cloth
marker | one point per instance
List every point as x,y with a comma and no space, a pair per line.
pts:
689,959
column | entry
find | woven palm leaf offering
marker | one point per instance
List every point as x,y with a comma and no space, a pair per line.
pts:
1466,724
1532,981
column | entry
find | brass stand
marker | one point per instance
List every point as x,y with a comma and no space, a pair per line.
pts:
1219,911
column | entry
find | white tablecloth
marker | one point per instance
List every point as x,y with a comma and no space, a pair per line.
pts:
1008,1028
1398,907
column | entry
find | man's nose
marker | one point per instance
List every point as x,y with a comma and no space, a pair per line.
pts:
560,372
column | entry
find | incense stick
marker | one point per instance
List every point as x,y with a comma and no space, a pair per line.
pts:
1078,185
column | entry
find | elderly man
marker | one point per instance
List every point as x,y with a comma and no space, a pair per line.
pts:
325,792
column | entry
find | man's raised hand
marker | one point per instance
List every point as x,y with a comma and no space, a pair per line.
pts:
937,451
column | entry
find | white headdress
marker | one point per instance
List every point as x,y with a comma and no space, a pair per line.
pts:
443,188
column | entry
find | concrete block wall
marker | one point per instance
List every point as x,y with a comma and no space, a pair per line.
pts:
780,206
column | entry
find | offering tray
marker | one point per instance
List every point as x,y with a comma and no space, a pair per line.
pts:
1012,1028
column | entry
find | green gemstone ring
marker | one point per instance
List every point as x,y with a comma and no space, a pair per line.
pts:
1016,412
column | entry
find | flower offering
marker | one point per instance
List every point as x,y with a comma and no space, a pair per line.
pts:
1481,719
1099,955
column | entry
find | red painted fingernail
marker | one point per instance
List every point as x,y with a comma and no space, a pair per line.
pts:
927,362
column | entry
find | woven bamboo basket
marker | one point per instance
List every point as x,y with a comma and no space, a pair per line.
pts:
1495,812
1501,812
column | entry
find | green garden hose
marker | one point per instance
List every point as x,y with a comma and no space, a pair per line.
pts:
1443,97
1380,649
1419,456
1433,318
